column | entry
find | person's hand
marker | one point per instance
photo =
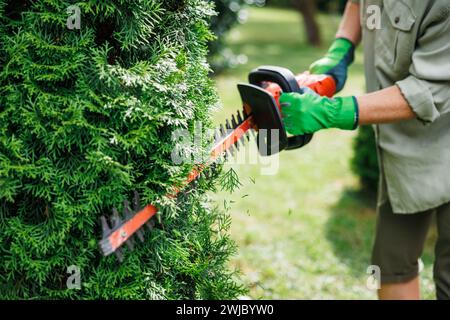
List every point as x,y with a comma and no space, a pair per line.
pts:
336,62
308,112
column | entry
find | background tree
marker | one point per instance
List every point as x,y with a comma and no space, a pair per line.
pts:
86,119
307,9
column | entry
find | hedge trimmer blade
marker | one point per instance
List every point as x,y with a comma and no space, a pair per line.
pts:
262,113
121,229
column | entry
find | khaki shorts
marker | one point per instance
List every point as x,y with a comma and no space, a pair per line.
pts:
399,243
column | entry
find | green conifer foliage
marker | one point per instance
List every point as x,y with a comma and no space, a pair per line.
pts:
86,118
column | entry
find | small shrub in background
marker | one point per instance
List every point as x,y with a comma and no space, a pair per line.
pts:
365,160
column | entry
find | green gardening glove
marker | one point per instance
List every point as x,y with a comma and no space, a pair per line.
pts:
308,112
336,62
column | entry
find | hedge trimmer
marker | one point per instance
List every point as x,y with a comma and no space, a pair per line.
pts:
261,114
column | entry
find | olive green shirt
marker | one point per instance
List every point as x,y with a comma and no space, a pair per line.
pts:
410,47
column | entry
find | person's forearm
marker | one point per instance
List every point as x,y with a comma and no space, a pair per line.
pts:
384,106
350,27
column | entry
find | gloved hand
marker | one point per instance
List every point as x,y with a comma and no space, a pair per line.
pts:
336,62
308,112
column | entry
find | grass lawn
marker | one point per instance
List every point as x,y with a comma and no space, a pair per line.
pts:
305,232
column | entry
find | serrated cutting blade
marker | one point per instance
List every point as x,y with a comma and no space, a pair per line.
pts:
122,228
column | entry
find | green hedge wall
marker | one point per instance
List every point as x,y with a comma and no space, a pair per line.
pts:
86,118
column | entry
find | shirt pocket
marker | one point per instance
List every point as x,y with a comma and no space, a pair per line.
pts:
396,40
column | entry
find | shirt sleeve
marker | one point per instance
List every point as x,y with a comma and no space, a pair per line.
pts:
427,89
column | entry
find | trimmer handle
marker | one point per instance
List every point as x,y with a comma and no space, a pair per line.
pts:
323,85
277,80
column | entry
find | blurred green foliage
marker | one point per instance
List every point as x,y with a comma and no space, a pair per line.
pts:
229,13
232,12
322,5
227,16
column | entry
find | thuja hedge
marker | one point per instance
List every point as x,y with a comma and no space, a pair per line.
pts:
86,119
